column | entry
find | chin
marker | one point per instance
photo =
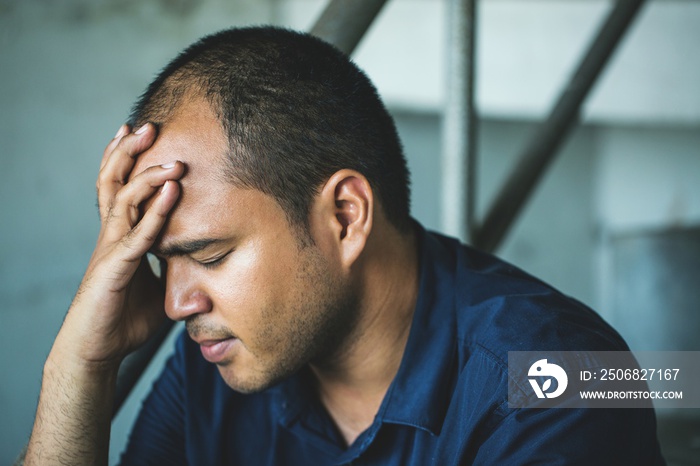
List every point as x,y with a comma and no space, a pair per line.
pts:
248,382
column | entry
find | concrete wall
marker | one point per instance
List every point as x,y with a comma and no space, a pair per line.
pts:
70,69
648,212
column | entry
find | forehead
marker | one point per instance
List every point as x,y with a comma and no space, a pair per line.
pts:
193,135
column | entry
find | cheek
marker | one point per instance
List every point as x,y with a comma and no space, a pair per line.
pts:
255,285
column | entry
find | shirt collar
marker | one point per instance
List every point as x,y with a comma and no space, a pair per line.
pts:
420,393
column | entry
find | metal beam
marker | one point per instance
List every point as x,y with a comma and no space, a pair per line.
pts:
459,125
344,22
544,143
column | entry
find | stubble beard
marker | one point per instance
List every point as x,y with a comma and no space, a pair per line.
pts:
325,313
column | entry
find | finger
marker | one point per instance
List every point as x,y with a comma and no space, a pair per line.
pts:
121,159
123,131
125,209
141,238
119,164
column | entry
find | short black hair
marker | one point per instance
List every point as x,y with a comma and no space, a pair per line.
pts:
295,110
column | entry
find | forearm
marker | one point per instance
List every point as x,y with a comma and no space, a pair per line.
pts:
118,306
73,418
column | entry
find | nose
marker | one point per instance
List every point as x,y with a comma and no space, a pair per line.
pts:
185,296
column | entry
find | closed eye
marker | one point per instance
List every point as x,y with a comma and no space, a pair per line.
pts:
215,262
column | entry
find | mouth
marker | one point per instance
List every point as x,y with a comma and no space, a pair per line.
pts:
215,351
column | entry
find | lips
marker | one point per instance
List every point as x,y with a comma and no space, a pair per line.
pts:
215,351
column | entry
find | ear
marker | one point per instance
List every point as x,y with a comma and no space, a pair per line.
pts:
344,210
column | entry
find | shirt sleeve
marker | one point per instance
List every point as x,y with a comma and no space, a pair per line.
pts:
572,437
158,435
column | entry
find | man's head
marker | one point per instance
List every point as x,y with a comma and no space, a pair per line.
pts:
295,111
286,147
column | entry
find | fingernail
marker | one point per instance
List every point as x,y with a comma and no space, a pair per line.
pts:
168,165
165,187
142,129
121,131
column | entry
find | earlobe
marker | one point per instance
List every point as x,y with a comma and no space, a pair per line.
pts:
350,195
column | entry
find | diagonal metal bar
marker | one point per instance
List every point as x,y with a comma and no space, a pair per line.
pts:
344,22
544,143
459,125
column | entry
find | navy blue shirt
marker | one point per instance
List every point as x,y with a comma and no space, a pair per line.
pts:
446,406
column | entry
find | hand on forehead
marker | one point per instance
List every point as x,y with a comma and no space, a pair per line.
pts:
192,136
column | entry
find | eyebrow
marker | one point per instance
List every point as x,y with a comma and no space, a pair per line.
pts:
186,247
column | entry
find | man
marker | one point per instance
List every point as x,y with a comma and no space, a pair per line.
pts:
324,326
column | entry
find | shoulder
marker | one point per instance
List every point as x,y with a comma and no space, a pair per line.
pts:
499,307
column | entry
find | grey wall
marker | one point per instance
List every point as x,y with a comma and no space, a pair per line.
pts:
648,213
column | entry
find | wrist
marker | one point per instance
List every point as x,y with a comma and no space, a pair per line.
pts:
82,345
69,361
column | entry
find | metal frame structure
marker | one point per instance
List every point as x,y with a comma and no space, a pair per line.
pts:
344,22
548,137
459,123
